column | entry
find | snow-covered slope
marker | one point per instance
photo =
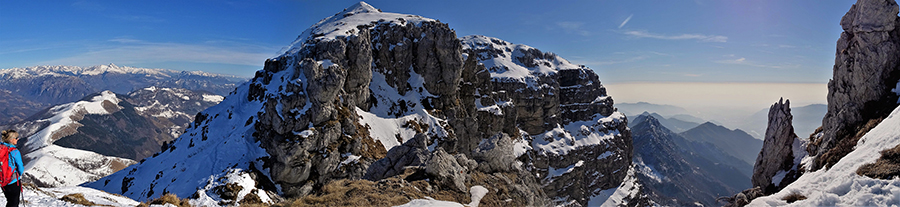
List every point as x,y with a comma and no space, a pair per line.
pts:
194,161
515,61
176,105
841,185
82,141
52,165
34,196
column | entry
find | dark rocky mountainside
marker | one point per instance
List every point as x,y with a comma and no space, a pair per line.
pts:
372,95
679,172
148,118
674,124
43,86
736,142
14,107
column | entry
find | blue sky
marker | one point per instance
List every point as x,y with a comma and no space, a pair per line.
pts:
624,41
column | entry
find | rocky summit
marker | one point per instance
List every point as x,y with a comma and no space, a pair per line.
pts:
397,98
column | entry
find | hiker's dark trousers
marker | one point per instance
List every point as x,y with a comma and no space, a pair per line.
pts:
12,192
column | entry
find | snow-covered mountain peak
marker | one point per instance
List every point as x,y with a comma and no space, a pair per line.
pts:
347,23
45,160
67,115
361,7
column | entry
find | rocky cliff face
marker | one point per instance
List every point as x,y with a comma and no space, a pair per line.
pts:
366,94
777,155
865,71
561,109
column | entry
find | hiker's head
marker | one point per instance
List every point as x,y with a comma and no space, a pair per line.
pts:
10,136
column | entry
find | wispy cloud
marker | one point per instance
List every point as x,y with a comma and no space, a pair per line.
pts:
744,61
573,28
132,51
626,21
698,37
786,46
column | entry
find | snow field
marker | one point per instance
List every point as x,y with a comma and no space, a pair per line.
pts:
840,185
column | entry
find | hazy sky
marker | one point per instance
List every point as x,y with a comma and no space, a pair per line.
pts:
625,42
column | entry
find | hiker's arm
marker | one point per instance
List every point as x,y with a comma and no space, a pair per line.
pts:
18,157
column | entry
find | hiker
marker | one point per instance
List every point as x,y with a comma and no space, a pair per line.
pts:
12,189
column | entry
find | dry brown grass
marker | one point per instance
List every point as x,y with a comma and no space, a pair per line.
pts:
398,190
167,198
793,197
886,167
386,192
359,193
251,199
117,165
78,198
845,146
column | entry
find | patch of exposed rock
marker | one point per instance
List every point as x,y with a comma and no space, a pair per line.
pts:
865,71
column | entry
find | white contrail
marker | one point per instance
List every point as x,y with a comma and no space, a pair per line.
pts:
626,21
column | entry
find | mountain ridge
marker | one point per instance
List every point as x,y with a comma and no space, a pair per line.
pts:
677,171
39,87
313,116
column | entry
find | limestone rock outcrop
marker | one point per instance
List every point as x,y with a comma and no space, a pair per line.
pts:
866,69
777,154
366,94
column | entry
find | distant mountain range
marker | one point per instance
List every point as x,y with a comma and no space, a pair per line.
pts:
736,142
635,109
25,91
81,141
77,125
677,171
806,118
675,124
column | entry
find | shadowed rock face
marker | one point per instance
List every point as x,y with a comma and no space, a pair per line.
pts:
777,152
865,71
